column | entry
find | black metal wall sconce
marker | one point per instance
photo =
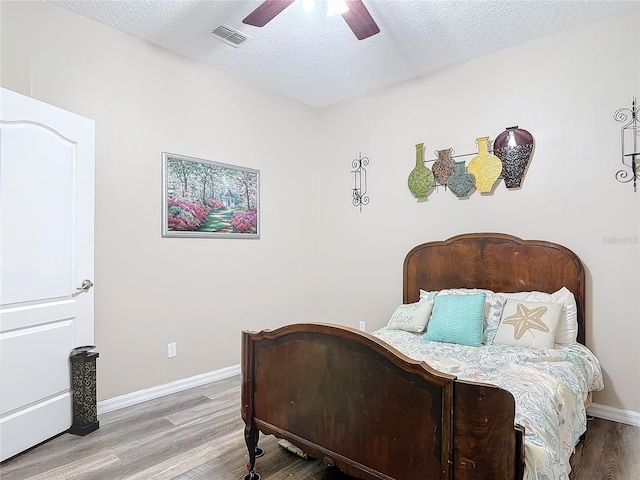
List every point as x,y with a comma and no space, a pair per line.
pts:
630,144
359,189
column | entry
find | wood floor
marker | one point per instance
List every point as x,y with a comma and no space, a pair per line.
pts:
198,434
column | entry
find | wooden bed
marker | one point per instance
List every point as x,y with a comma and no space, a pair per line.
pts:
353,401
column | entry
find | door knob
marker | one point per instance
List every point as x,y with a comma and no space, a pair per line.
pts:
86,285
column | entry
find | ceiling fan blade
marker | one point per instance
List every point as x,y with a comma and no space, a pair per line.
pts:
266,12
359,20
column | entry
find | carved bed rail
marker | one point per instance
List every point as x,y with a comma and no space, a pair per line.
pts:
353,401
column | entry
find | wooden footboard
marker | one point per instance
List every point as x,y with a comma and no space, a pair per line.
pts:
353,401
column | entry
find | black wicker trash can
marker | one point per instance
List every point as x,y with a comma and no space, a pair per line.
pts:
83,390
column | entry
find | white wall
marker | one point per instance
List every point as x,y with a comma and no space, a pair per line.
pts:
150,290
317,253
564,89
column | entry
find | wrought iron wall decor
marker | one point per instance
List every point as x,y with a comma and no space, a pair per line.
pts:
509,159
630,146
359,189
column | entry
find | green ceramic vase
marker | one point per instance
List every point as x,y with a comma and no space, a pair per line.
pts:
421,178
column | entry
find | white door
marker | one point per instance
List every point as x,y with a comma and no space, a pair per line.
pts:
46,251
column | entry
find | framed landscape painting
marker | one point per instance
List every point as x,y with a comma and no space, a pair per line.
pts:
202,198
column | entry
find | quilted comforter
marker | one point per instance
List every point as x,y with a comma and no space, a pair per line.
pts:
550,388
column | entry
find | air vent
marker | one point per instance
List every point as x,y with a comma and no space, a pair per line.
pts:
230,35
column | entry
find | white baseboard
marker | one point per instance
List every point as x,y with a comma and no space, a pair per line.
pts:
152,393
615,414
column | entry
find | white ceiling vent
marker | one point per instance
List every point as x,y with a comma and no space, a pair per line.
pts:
230,35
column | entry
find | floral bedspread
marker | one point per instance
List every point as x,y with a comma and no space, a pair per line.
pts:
549,386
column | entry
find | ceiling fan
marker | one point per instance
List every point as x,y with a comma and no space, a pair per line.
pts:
357,17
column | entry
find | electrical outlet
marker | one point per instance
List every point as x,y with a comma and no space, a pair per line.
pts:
171,350
362,327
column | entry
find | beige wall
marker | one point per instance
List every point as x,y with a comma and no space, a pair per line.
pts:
317,253
150,290
564,89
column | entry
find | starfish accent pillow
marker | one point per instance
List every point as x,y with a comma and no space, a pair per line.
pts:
528,324
568,326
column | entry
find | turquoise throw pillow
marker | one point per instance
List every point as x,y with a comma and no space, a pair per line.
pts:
457,319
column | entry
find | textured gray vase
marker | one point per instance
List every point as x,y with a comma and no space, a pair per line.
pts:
461,182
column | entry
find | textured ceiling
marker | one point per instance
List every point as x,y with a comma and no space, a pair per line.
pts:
318,61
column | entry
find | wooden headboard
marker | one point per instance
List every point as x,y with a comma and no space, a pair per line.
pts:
497,262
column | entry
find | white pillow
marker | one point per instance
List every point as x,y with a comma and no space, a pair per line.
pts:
424,295
411,317
528,324
568,327
493,305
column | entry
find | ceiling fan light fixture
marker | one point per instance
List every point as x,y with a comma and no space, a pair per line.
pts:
336,7
353,12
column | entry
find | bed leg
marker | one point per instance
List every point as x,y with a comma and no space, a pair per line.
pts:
583,437
251,435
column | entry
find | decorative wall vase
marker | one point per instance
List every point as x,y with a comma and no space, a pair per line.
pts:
514,148
420,179
485,166
444,166
461,182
